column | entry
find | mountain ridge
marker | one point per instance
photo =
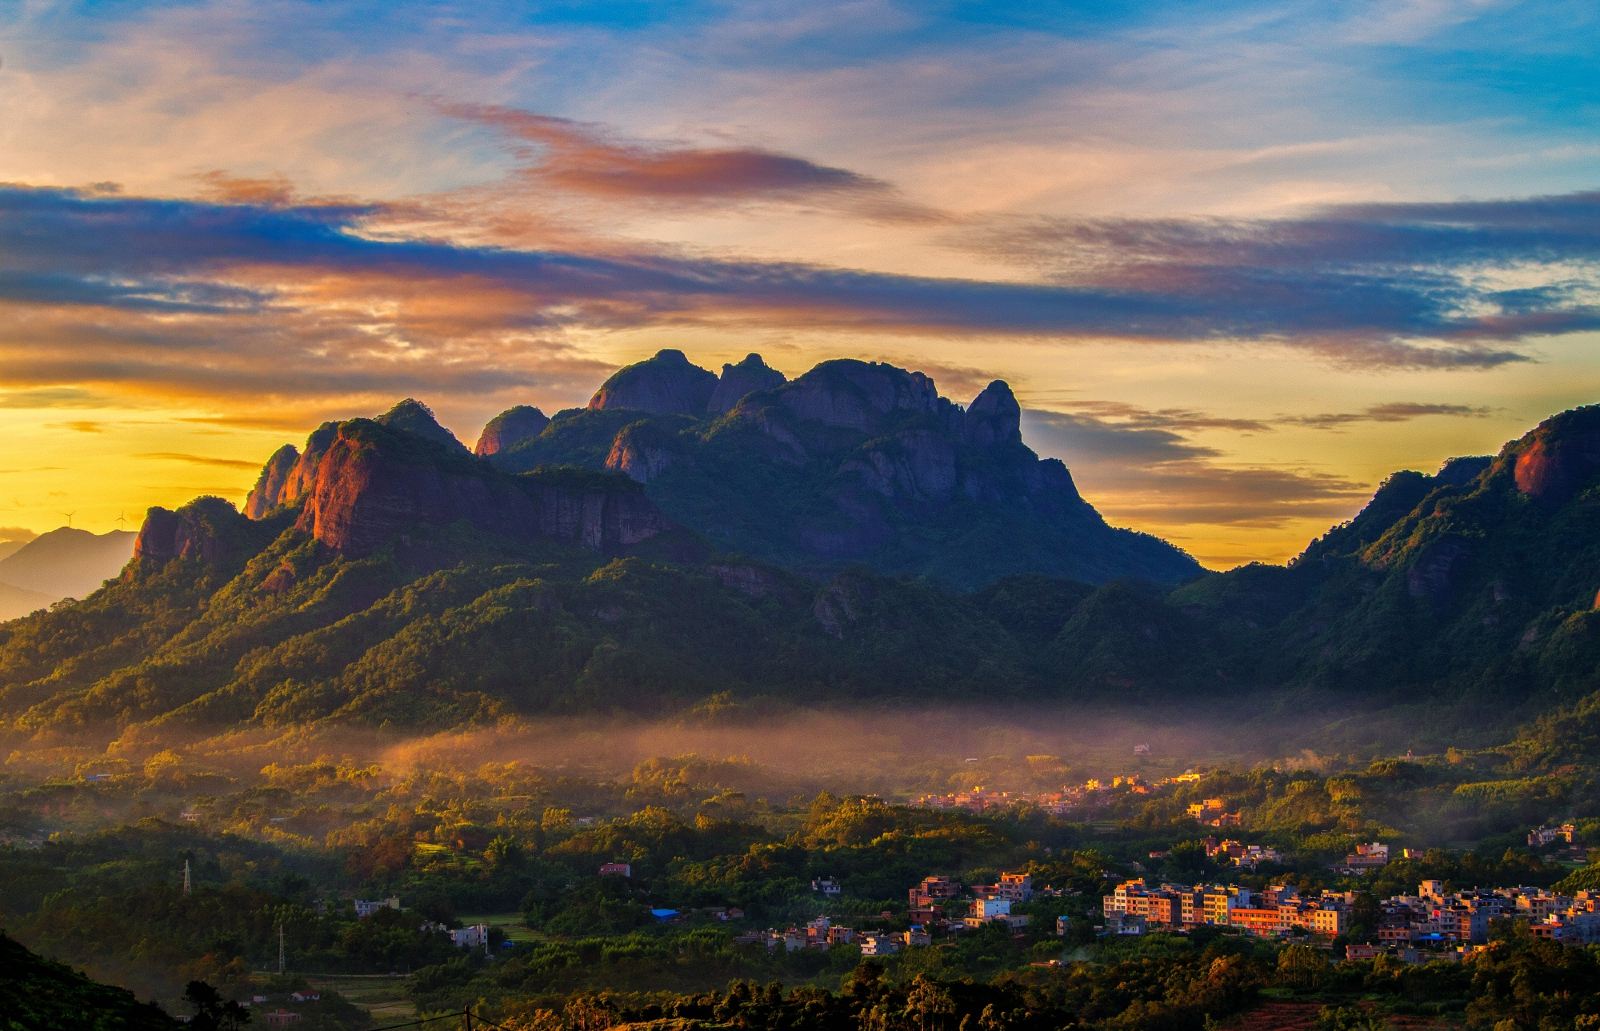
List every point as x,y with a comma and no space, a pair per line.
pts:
415,583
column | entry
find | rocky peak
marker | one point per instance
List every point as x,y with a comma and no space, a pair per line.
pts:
857,395
303,476
740,381
203,530
372,488
510,428
268,491
1560,457
413,417
664,385
994,417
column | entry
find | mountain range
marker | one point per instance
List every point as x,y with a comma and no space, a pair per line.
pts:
688,539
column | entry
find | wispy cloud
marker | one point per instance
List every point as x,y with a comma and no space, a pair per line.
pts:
188,459
1394,411
590,160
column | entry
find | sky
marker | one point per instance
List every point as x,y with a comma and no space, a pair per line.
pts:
1239,261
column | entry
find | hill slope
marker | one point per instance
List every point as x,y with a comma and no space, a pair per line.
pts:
36,993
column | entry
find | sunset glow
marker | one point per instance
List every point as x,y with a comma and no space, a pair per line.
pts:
1238,264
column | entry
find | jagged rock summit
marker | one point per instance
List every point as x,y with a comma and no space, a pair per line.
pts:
268,493
664,385
363,483
852,462
994,417
510,428
738,381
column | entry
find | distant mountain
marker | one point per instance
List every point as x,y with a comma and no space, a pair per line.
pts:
11,547
14,601
66,562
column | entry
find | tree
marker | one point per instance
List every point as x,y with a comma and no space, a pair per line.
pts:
211,1012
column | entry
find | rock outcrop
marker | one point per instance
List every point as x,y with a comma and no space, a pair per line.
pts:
664,385
1560,457
373,487
642,451
268,493
303,476
740,381
510,428
852,462
205,530
994,417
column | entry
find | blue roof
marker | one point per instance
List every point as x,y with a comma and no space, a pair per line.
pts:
663,914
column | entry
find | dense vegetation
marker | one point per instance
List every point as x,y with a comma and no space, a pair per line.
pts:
93,873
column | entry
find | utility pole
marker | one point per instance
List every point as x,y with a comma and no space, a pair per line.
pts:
280,947
186,884
466,1012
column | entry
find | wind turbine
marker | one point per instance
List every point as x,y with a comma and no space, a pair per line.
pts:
69,516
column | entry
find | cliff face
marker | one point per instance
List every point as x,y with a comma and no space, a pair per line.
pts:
268,492
642,452
374,485
205,530
1560,457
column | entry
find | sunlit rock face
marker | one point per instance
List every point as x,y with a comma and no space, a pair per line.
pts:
510,428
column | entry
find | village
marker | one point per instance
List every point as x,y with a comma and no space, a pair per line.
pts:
936,906
1432,924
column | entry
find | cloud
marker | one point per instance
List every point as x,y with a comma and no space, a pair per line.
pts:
1394,411
52,397
278,298
209,460
587,159
1404,284
1128,415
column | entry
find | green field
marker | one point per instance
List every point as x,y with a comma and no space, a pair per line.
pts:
510,923
383,995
